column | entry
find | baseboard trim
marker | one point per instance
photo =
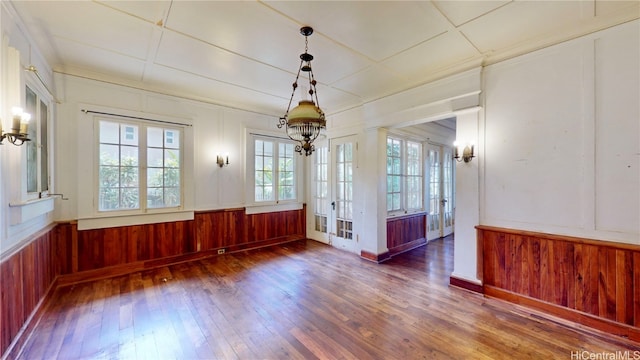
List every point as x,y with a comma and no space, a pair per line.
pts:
588,320
128,268
407,246
377,258
466,284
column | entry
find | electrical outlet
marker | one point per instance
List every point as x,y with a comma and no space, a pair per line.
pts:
221,251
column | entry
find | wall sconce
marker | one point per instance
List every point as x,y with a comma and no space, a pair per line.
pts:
467,152
222,161
18,134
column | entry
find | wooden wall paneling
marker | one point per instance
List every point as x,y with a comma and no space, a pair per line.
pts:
406,232
624,287
208,226
29,271
636,289
500,260
533,262
11,304
61,249
546,270
113,247
87,257
489,257
607,281
594,282
235,230
563,266
579,276
588,279
512,262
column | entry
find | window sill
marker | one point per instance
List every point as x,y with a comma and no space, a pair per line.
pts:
258,209
400,215
21,212
108,221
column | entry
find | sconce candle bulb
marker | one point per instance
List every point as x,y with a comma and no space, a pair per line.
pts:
24,123
222,161
19,126
17,119
467,152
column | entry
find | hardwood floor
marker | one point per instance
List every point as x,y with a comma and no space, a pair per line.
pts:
302,300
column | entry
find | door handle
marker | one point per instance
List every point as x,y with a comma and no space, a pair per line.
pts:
333,205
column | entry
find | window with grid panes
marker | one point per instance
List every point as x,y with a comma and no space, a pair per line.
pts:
404,175
274,183
140,166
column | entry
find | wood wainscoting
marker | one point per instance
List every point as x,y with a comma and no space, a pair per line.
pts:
61,255
27,277
406,232
594,283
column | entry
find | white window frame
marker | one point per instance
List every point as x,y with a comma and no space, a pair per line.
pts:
405,177
25,205
88,216
36,136
142,147
276,204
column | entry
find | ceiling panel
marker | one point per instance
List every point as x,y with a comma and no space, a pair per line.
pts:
81,58
193,56
189,85
372,83
460,12
445,51
92,24
604,8
151,11
520,21
245,54
376,29
246,28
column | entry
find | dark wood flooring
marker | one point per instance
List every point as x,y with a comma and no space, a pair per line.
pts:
302,300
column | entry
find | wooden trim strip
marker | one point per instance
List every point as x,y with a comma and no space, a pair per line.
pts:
220,210
15,249
407,246
574,239
377,258
598,323
127,268
407,216
465,284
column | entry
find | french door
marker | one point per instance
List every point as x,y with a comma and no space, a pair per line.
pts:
342,156
333,193
440,185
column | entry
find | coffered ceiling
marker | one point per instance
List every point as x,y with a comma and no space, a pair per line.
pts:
245,54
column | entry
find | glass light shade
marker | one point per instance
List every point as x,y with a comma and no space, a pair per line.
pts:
305,121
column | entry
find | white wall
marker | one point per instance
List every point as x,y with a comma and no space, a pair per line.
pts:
562,139
24,218
215,130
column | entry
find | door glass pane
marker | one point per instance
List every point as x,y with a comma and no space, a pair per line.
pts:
434,190
447,187
320,194
344,187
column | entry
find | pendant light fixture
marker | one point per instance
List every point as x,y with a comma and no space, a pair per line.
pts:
305,121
